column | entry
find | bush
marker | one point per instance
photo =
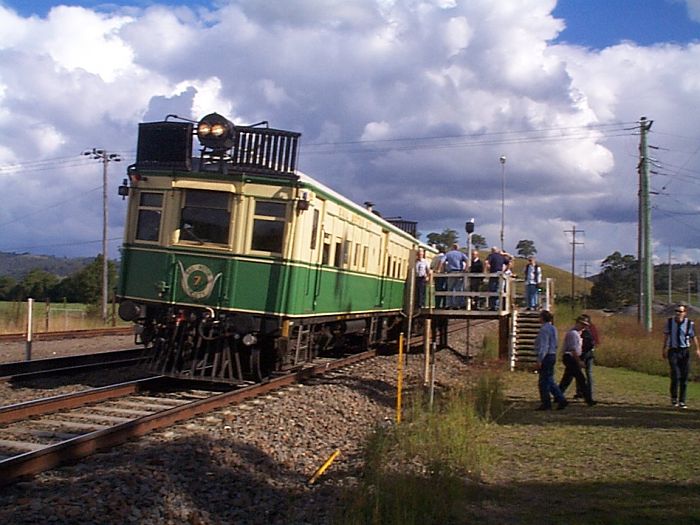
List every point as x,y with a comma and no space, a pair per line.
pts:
419,471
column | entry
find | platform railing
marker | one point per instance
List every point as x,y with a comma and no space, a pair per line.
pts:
462,291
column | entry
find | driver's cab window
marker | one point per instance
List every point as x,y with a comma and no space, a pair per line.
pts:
269,221
205,217
149,216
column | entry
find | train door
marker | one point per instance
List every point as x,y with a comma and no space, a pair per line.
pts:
318,248
384,267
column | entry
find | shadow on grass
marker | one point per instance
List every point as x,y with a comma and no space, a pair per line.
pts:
604,414
584,503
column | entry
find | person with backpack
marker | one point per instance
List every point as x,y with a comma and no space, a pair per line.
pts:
678,334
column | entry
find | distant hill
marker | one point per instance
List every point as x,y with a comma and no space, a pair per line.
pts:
562,278
17,265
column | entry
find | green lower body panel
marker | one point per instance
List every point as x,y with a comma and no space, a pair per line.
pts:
258,285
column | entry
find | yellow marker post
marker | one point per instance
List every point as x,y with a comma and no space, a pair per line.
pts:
323,467
399,383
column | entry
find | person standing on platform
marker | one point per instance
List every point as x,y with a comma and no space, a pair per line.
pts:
533,279
494,264
678,335
546,348
476,266
422,278
440,282
455,261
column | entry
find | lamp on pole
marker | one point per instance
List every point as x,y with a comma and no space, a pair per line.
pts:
503,198
105,158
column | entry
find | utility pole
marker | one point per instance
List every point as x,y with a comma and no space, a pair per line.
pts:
573,233
502,160
105,158
646,268
585,277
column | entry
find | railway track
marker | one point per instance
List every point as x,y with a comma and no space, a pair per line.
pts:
38,435
25,370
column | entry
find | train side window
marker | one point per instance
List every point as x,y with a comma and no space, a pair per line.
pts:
149,215
314,230
338,257
356,262
347,247
205,217
326,256
365,251
268,226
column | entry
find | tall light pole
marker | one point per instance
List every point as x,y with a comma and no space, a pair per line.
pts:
105,158
503,199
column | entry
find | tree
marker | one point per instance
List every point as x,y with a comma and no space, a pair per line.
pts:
7,285
37,284
526,248
85,285
478,242
443,241
616,286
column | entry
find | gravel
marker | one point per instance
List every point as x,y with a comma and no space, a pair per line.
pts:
247,463
15,351
19,391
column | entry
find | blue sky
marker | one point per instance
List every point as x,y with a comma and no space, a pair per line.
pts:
407,104
603,23
593,23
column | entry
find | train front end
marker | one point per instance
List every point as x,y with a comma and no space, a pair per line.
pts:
203,273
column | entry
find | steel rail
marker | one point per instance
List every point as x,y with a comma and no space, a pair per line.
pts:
48,405
37,461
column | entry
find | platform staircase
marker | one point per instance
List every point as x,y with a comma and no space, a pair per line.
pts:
524,329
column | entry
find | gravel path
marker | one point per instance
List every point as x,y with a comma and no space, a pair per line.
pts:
10,352
244,464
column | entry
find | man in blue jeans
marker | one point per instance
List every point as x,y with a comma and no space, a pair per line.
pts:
455,261
495,263
678,334
546,348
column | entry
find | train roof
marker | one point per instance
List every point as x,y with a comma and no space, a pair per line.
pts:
309,181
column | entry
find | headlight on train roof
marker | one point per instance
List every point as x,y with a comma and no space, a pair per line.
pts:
203,129
216,132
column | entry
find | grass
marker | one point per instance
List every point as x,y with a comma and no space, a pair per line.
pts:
631,459
54,317
625,344
418,472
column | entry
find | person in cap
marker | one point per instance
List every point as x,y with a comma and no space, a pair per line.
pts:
571,355
678,335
